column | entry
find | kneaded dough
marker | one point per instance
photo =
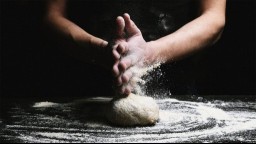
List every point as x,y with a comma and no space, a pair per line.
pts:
133,110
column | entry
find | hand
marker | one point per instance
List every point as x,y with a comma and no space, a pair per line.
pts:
133,53
104,53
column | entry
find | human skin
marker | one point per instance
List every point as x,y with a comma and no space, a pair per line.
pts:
203,31
85,46
132,50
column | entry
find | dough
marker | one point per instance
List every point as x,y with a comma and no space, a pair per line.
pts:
133,110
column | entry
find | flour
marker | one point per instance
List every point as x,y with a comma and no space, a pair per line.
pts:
179,121
45,104
137,80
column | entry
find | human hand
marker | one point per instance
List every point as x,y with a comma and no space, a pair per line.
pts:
104,53
134,55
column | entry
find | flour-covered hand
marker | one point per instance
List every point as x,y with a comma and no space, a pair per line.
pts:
134,54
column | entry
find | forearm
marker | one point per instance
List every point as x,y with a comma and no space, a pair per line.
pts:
192,37
72,32
81,44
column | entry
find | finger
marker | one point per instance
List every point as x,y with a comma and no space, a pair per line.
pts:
124,64
119,81
114,45
122,48
99,42
115,70
127,62
125,89
126,76
120,27
116,55
130,26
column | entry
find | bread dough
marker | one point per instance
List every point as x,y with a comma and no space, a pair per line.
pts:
133,110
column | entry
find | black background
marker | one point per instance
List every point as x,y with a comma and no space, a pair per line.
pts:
31,66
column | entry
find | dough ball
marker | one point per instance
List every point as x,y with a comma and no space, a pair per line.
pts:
133,110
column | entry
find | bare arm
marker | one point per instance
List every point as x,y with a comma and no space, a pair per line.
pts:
90,47
201,32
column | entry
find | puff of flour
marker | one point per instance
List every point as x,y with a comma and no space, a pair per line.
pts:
133,110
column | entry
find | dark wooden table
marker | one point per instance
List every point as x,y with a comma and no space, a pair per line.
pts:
84,121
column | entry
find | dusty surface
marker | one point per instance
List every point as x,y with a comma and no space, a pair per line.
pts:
83,121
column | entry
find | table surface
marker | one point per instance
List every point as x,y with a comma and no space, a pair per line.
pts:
83,120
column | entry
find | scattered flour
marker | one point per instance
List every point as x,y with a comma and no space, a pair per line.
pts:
45,104
138,73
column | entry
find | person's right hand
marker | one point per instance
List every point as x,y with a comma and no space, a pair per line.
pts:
134,55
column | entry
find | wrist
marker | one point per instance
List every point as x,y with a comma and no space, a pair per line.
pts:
152,55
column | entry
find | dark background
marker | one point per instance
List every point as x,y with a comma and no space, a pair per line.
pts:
31,66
